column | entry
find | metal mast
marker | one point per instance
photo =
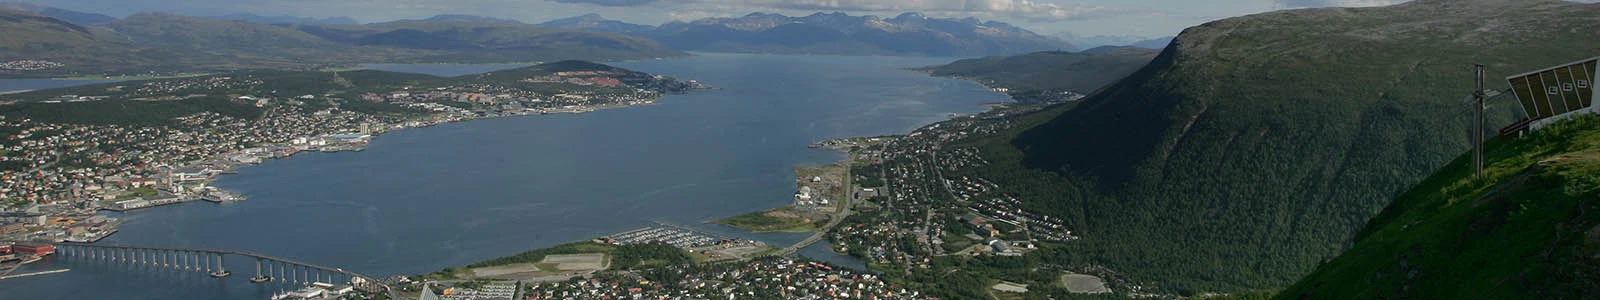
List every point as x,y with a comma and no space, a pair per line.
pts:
1477,126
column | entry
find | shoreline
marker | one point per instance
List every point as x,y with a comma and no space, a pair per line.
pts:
230,167
837,144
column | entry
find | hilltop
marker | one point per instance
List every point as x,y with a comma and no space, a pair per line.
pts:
1528,230
1254,147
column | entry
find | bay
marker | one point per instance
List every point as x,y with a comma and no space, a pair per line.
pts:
17,85
419,200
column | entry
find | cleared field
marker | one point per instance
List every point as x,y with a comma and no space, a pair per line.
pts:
576,262
1011,287
552,265
498,271
1084,284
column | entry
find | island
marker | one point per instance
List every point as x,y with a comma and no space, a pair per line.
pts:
66,153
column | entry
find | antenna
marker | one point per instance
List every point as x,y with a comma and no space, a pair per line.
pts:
1477,125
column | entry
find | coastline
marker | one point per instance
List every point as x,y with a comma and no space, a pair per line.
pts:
224,165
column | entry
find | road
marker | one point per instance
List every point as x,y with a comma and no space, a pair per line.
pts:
838,215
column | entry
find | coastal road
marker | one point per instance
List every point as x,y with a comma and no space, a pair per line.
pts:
838,215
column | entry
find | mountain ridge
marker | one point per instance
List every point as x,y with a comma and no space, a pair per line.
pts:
160,43
1253,147
839,33
595,22
1049,72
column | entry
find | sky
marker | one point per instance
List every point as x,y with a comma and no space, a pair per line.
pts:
1144,18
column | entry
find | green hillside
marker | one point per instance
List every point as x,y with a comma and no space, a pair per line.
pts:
1050,70
237,40
1529,230
1255,147
33,36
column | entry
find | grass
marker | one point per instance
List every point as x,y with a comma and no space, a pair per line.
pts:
139,192
762,222
1522,232
534,256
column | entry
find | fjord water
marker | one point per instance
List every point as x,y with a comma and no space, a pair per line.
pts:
16,85
422,199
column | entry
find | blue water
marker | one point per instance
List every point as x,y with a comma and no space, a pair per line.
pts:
422,199
7,85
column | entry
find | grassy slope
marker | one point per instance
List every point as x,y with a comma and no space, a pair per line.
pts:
32,36
1526,231
760,222
1256,146
1050,70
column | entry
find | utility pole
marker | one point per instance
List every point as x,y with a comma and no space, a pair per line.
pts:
1477,126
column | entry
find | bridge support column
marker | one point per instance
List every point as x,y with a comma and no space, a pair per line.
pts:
220,271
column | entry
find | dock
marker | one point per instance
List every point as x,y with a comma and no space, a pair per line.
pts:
703,232
34,274
627,232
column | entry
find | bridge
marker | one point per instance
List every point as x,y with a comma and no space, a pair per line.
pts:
268,268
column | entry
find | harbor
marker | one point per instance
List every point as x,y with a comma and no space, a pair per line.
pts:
712,246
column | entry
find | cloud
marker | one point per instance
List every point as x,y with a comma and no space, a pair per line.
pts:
612,3
1339,3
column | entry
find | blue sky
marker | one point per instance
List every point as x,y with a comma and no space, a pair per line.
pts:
1149,18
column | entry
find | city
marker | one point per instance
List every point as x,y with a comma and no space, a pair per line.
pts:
864,149
57,175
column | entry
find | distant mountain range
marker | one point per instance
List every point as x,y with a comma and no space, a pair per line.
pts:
164,42
594,22
469,18
253,18
1114,40
76,17
838,33
835,33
